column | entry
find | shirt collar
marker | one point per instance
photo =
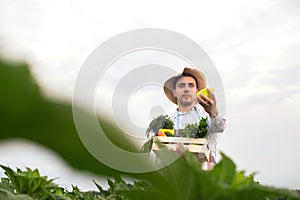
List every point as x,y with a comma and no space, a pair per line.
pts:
185,113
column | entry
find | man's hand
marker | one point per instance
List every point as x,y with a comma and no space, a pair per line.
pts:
209,104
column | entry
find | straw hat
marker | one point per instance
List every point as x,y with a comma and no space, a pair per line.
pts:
169,84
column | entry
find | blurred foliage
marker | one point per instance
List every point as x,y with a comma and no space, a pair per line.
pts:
29,182
183,179
25,113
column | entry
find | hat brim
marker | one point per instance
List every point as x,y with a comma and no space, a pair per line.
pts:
169,84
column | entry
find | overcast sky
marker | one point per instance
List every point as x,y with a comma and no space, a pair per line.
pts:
254,45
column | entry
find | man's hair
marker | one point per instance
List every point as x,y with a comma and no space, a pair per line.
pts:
183,75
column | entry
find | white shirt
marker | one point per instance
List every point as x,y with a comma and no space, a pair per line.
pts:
215,125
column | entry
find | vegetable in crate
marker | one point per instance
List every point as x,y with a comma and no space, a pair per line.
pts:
166,132
160,122
196,130
158,126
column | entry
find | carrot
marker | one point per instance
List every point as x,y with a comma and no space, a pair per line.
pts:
161,133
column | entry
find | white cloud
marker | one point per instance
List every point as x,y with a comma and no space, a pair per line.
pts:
264,138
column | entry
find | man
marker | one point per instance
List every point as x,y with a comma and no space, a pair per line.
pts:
182,90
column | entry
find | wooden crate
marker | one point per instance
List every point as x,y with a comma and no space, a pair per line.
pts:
194,145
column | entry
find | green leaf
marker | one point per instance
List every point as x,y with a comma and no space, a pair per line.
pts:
8,195
224,171
147,146
26,113
162,121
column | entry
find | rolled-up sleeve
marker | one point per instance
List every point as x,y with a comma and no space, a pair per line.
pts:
216,125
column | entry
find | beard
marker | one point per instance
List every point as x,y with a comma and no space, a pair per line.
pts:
184,101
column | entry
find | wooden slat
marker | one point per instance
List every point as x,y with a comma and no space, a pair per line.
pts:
191,148
195,145
163,139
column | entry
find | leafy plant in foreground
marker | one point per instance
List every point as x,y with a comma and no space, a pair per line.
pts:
183,179
187,180
29,185
119,189
29,182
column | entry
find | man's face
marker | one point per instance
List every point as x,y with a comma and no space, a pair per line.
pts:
185,91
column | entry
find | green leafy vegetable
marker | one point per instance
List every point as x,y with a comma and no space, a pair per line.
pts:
196,130
147,146
162,121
